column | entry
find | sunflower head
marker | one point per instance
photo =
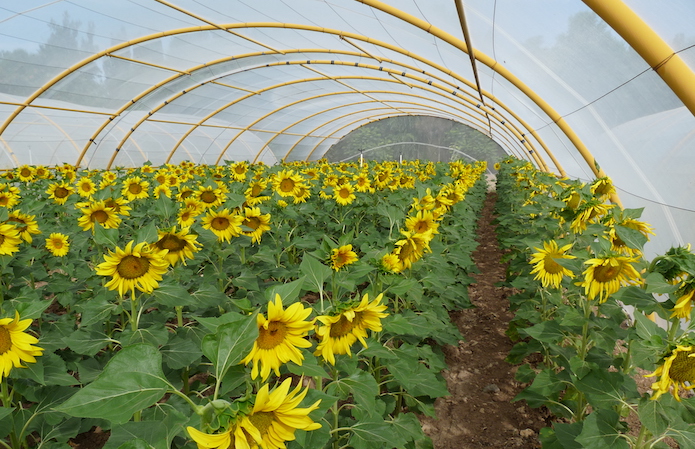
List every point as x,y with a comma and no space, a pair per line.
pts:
676,369
138,266
16,346
338,332
342,256
279,338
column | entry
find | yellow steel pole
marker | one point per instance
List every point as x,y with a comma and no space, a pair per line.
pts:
675,72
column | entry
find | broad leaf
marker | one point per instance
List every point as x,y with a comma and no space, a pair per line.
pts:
131,381
231,343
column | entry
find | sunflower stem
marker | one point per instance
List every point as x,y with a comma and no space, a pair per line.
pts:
673,329
6,396
334,289
179,316
642,438
134,316
334,409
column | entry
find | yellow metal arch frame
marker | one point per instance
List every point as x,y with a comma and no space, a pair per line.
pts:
486,60
501,70
344,105
393,72
237,101
371,119
519,134
540,162
650,46
422,107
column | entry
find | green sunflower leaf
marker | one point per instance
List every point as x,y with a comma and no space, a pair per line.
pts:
131,381
316,273
602,430
230,343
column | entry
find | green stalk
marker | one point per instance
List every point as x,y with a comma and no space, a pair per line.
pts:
643,438
334,289
134,317
179,316
6,395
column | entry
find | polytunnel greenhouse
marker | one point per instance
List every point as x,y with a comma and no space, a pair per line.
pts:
186,262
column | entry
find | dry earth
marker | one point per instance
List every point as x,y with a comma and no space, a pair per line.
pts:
480,412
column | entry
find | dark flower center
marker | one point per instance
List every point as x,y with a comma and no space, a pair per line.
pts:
271,337
133,267
5,340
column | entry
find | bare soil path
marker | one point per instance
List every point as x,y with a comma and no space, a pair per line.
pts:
479,413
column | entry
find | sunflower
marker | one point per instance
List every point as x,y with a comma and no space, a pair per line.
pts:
422,222
342,256
589,212
239,170
86,187
391,263
8,199
677,369
254,191
140,266
58,244
303,194
9,239
186,217
118,205
26,173
279,336
25,224
209,196
223,224
234,438
181,245
343,194
683,306
606,275
162,190
411,248
98,212
339,332
15,345
257,222
276,416
546,267
286,183
107,178
60,192
603,188
135,188
427,202
363,183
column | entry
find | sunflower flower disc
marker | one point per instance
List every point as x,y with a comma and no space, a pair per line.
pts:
546,267
606,275
140,266
342,256
677,371
279,337
338,333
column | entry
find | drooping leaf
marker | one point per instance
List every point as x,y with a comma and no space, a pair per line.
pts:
131,381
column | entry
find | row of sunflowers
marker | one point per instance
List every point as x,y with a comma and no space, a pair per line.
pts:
235,306
586,313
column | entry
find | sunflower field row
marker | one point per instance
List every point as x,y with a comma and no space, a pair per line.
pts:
240,306
586,313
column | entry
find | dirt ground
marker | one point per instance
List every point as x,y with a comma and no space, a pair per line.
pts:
479,413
